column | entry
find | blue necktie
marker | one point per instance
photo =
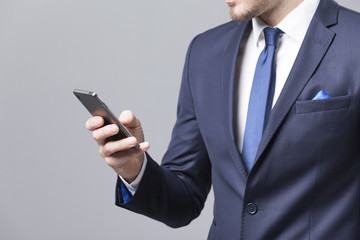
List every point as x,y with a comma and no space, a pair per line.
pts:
261,97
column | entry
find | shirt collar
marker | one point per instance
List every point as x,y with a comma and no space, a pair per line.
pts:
294,25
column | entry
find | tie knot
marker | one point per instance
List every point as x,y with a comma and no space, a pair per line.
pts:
272,36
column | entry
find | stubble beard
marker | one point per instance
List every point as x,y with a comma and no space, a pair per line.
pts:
240,17
243,12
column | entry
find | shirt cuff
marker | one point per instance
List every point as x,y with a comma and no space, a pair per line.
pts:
134,185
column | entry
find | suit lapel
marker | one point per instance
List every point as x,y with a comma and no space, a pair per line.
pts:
229,94
315,45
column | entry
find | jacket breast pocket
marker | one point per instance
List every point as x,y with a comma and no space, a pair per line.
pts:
328,104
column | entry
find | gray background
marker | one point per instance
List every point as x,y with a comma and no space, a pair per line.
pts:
53,183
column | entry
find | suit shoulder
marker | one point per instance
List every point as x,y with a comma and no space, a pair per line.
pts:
347,15
221,31
229,26
348,25
218,34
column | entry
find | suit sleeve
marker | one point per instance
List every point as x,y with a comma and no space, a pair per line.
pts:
174,193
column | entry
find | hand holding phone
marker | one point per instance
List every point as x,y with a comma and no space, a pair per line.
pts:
97,107
125,157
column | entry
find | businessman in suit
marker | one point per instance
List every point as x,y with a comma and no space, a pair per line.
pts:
302,181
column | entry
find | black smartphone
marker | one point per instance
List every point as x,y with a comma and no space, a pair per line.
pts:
97,107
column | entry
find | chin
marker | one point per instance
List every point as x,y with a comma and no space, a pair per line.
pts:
241,16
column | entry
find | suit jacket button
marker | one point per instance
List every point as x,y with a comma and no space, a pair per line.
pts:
251,208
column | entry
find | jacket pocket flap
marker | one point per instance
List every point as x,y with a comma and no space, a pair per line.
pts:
333,103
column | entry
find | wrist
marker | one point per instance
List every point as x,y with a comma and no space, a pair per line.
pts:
134,185
130,171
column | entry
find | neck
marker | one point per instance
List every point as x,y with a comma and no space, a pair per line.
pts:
276,14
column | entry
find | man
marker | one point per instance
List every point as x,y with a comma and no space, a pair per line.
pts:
303,180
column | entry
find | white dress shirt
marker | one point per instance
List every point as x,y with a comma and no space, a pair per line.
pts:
294,26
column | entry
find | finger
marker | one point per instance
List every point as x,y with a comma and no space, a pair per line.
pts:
112,150
113,147
117,159
101,134
129,119
144,147
94,123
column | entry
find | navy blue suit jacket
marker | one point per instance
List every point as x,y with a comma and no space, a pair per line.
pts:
305,183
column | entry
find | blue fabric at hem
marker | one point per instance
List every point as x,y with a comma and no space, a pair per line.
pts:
126,195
